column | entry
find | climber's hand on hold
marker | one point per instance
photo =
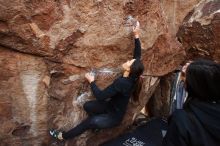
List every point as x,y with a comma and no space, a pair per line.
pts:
136,30
90,77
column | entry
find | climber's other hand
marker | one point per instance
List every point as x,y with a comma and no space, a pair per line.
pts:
90,77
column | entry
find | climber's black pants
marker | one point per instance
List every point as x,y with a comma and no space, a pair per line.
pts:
99,117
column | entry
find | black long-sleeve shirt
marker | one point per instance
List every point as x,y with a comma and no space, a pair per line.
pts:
137,49
120,90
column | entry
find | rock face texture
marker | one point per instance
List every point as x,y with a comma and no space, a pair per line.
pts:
200,31
159,104
23,102
47,46
175,11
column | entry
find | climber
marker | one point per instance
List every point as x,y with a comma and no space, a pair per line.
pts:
110,105
198,123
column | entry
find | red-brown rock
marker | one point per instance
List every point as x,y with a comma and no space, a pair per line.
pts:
23,99
65,39
200,31
175,11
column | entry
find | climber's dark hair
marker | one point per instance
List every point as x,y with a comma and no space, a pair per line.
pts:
203,80
136,70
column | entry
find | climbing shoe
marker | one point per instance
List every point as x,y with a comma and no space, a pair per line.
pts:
96,130
56,134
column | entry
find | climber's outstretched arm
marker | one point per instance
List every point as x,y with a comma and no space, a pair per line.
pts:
137,49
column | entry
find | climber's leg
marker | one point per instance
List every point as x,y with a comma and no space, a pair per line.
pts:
95,122
96,107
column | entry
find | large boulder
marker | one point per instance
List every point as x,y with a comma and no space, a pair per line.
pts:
200,31
47,47
175,11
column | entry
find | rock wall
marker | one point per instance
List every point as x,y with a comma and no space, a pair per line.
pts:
46,47
24,100
159,104
200,31
175,11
